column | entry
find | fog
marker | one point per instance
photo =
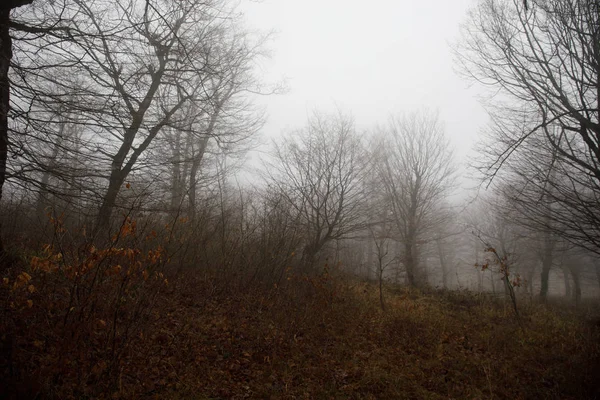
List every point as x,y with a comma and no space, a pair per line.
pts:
372,60
299,199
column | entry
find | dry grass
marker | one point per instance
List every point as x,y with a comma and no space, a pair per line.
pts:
313,338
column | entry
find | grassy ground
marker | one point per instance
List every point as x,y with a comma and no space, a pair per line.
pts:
317,339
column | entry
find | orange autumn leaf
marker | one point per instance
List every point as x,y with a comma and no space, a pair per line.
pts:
21,280
24,277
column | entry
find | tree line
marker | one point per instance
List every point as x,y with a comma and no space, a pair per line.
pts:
144,109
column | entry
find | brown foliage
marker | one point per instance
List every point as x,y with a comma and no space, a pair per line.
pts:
71,314
105,323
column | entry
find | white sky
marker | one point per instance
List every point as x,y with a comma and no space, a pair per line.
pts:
369,58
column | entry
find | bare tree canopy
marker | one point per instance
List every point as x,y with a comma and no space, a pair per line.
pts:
417,172
320,170
126,72
147,255
542,62
6,53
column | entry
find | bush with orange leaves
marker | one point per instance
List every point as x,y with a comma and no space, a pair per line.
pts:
70,314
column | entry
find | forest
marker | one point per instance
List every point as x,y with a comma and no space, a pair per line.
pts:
143,256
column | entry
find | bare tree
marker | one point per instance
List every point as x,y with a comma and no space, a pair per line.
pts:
542,62
6,53
546,195
579,264
319,170
447,241
381,237
526,208
495,227
228,128
130,69
417,172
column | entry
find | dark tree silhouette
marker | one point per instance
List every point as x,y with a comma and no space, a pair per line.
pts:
5,59
542,59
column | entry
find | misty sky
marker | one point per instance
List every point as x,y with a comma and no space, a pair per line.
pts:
369,58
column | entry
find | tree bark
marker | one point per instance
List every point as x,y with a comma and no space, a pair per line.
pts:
480,274
108,203
544,281
194,178
5,57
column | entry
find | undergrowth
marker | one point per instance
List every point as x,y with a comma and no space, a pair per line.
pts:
112,323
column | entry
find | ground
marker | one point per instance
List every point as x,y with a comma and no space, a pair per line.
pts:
313,338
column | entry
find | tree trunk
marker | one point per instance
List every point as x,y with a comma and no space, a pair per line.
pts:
177,177
198,156
480,273
308,258
108,203
398,250
409,263
5,57
546,265
370,255
120,168
567,283
443,264
411,236
381,285
529,283
547,258
506,288
43,198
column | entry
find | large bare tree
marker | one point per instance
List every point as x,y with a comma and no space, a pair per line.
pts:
542,61
228,128
320,172
6,53
417,172
129,70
